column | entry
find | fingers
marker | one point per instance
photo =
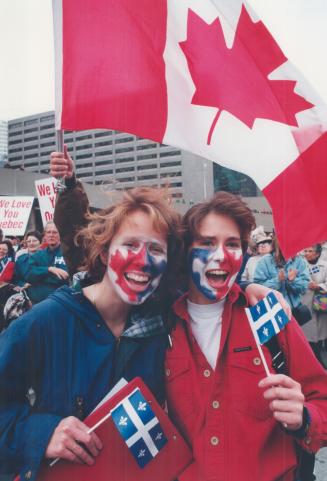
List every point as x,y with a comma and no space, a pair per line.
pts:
58,164
285,305
286,399
72,441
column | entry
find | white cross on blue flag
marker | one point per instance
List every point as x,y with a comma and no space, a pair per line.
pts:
267,318
139,427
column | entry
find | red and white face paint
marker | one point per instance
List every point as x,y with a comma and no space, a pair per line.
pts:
135,267
214,270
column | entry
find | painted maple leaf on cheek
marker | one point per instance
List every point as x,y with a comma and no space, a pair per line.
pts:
236,79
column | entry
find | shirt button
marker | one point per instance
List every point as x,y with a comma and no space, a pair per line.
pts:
256,361
28,475
214,440
206,373
167,372
215,404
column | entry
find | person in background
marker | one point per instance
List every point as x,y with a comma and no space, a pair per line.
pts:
241,424
263,246
316,329
290,277
7,261
47,269
33,241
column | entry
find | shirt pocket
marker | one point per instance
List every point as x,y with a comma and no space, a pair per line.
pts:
246,370
179,386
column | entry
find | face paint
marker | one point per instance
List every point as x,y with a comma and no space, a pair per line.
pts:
213,271
135,269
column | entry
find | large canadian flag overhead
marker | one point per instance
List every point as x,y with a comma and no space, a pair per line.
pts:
206,76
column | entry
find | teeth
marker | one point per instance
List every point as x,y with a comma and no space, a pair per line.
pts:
217,272
137,277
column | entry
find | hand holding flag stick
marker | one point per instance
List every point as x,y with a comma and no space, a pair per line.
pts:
267,319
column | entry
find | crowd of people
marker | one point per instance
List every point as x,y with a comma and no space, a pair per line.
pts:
160,297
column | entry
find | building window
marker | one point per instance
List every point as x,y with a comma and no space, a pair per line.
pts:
47,117
30,121
125,169
46,127
163,175
103,162
124,139
170,154
83,137
105,152
45,136
124,159
84,166
104,172
146,167
104,143
146,156
102,134
147,177
124,149
48,144
170,164
30,147
15,125
146,146
82,156
86,146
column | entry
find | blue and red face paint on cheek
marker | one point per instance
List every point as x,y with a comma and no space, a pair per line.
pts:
135,273
213,271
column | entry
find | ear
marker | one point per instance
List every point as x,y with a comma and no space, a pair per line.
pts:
104,257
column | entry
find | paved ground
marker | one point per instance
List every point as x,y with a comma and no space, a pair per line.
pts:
321,465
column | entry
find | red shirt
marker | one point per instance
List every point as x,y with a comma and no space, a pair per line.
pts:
222,412
7,274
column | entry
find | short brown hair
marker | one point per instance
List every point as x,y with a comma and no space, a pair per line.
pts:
223,203
96,237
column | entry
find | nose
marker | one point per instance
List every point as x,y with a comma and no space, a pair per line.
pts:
142,259
218,254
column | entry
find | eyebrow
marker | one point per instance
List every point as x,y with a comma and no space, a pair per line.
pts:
213,238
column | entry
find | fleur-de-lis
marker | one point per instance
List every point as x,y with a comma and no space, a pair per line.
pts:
123,421
141,453
141,406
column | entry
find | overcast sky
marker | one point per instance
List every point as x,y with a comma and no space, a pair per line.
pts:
26,48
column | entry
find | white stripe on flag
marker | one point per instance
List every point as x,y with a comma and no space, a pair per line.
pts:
141,428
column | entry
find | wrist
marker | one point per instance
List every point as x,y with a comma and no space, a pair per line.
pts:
70,182
302,431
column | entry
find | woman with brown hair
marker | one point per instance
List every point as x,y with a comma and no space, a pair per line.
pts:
73,347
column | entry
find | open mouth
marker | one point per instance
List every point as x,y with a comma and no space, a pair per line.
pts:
137,280
216,276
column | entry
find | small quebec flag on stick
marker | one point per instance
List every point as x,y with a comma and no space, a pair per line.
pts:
139,427
267,318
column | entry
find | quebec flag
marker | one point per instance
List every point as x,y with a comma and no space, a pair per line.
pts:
139,427
267,318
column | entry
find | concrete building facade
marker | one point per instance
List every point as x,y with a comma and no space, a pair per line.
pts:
111,159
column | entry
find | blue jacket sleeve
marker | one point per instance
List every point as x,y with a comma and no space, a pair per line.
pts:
266,274
24,431
302,279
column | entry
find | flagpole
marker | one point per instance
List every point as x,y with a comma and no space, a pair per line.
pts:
263,359
60,186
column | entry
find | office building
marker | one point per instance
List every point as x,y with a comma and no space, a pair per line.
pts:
111,159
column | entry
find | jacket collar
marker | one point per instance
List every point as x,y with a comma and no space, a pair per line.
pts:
235,295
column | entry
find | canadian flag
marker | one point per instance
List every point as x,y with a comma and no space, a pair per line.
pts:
205,76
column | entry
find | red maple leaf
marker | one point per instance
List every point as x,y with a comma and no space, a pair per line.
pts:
236,79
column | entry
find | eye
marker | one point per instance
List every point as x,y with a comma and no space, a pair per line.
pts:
131,245
233,244
205,243
156,249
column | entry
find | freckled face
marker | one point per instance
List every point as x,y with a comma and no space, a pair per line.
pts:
137,258
214,259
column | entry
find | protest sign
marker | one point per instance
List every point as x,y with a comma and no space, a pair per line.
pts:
46,193
14,214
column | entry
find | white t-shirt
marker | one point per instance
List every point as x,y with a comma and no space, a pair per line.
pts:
206,322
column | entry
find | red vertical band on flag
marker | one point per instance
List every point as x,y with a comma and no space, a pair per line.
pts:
298,200
113,67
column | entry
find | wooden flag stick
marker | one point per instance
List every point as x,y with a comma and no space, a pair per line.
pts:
254,332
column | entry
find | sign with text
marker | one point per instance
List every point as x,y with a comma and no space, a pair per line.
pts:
14,214
46,194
